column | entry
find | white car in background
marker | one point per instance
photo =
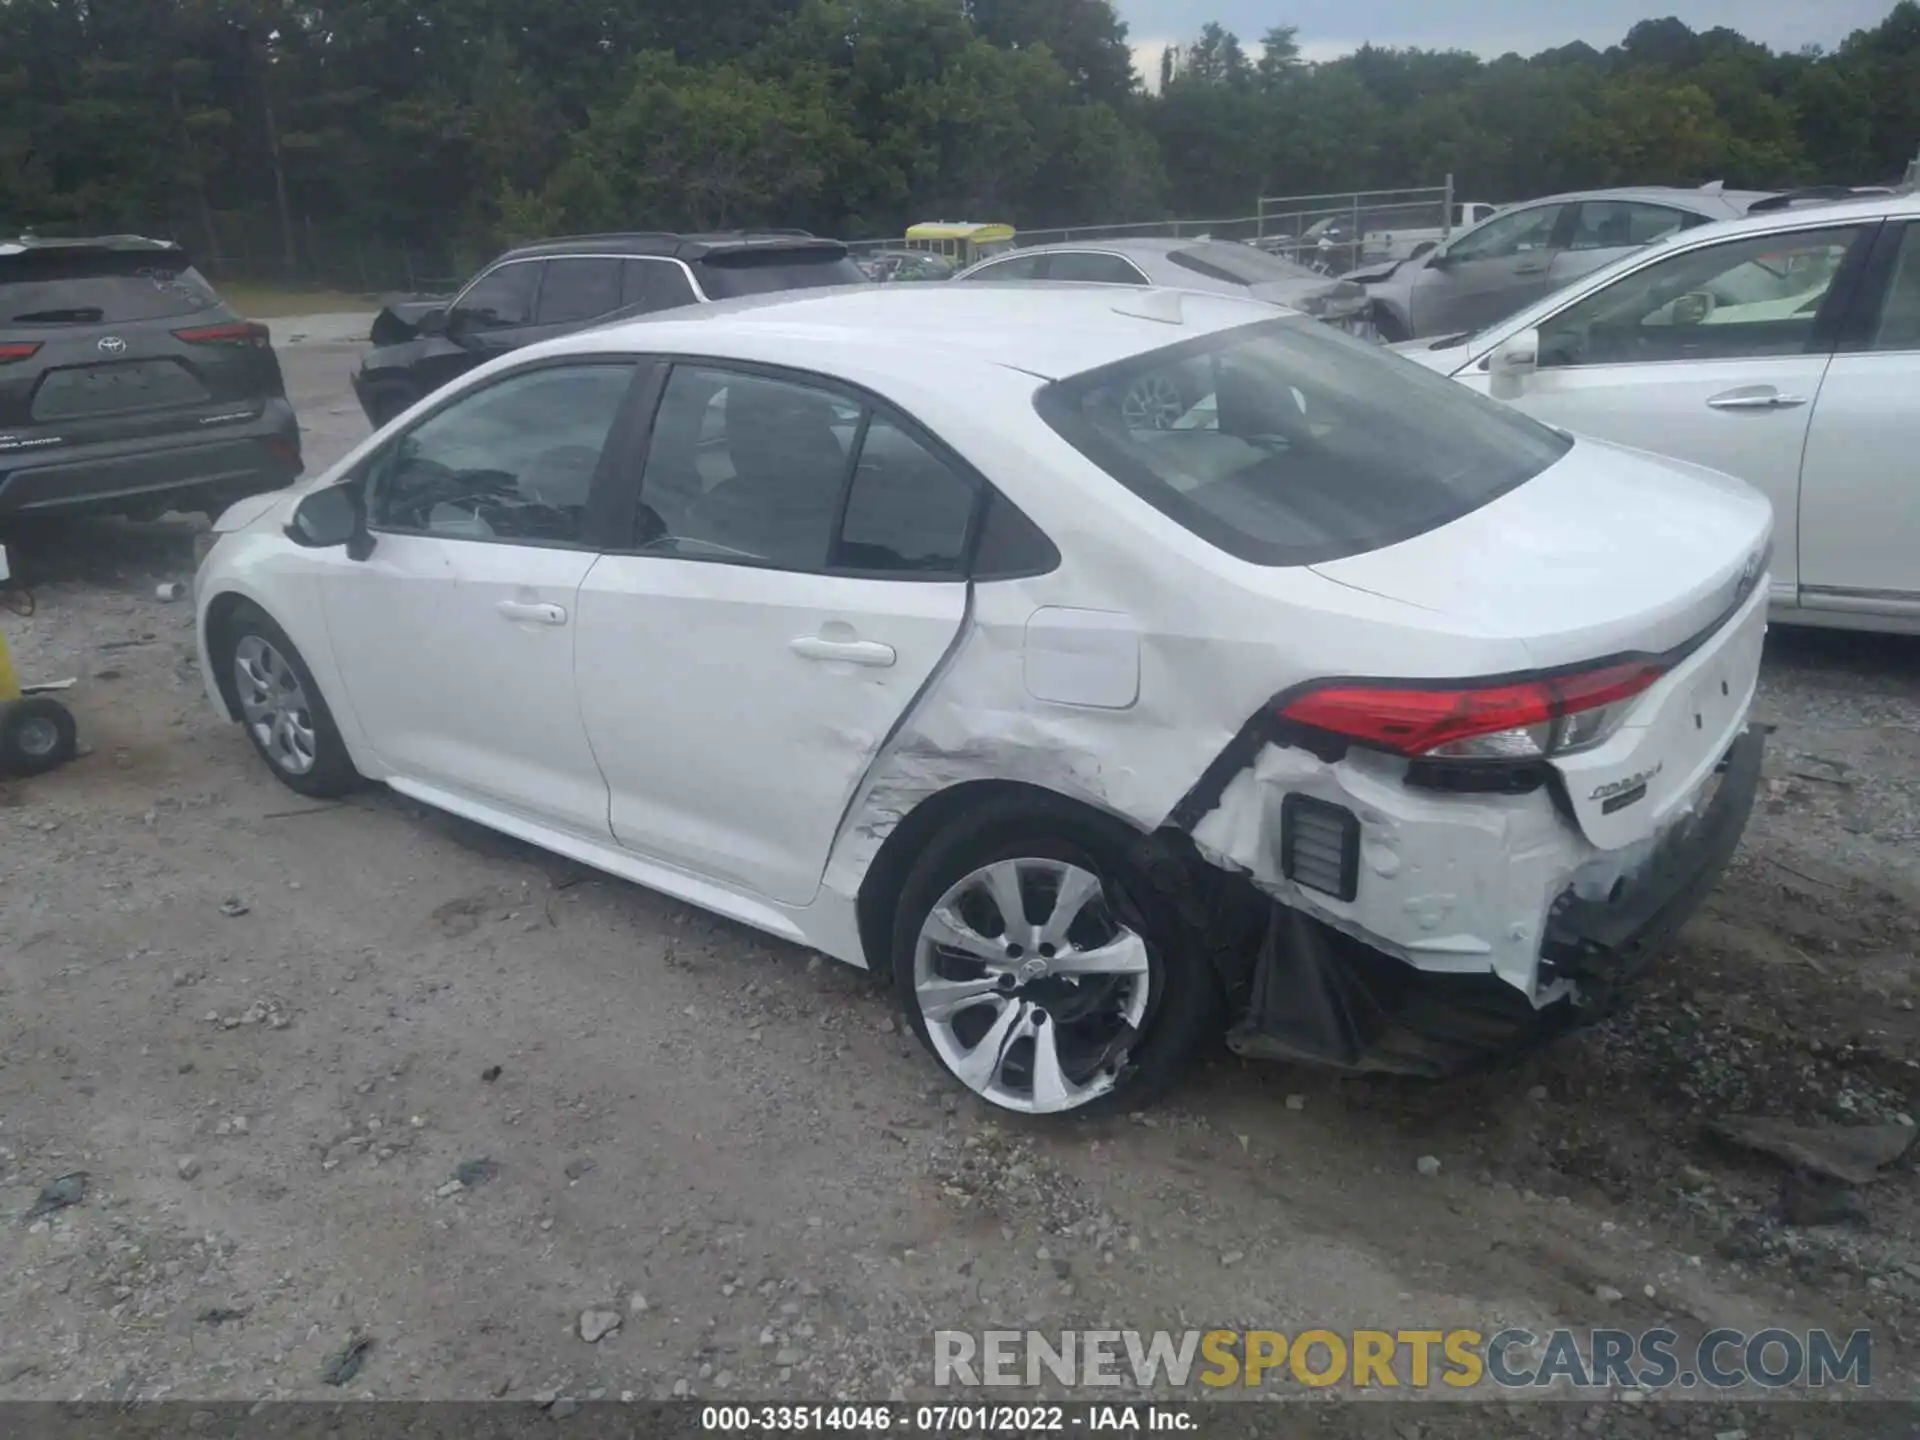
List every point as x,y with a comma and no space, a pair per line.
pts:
1340,705
1782,349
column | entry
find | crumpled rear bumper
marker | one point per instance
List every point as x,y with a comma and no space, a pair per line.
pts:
1600,942
1309,991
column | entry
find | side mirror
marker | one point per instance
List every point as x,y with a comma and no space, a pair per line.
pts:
1423,248
329,517
1512,361
434,322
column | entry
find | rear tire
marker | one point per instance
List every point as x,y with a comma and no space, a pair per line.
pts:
281,707
37,734
1086,1002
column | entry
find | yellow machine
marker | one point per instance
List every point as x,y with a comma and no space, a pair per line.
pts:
961,241
36,731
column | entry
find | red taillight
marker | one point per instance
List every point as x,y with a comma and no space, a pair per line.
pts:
22,351
1418,722
242,333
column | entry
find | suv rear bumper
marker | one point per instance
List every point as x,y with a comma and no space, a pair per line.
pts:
209,467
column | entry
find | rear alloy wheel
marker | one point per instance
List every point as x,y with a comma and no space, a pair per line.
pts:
1030,977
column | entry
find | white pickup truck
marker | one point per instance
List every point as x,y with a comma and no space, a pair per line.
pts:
1403,244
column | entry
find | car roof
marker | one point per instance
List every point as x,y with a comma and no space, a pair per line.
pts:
1122,245
678,246
1049,329
1705,200
136,244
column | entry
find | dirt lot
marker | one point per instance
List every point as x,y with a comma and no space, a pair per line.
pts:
735,1148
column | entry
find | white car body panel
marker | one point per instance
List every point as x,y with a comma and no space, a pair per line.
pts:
759,783
1863,460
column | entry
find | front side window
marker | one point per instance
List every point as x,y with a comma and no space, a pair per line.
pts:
769,471
578,289
1285,443
500,298
1756,296
512,461
1514,233
1092,268
1899,324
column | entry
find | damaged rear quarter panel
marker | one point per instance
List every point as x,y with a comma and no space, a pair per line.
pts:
1448,882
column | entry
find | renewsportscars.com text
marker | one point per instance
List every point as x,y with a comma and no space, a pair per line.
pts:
1655,1359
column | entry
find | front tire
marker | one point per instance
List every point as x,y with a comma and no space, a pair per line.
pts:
281,707
1034,961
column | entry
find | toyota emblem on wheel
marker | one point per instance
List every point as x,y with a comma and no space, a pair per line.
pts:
112,344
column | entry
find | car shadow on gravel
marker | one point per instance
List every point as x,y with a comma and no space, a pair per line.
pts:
104,551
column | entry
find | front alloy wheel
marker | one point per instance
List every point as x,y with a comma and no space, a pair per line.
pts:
274,705
1030,989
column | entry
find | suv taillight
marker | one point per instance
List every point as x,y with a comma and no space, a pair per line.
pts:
24,350
241,333
1525,720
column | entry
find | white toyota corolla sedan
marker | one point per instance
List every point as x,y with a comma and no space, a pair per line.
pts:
1103,667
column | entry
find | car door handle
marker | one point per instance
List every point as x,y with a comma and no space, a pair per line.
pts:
540,614
1755,400
1538,268
857,652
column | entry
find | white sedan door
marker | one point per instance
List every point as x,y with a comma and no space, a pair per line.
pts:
796,577
1714,355
455,636
1860,492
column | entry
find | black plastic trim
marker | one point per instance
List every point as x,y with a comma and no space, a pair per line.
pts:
1294,805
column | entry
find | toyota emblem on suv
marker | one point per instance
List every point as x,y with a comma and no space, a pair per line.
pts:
112,344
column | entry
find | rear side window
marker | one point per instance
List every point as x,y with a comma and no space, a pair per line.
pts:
48,288
756,272
1237,264
1093,268
578,290
1286,443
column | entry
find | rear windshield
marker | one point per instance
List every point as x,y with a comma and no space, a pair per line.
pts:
1238,264
755,272
48,288
1288,443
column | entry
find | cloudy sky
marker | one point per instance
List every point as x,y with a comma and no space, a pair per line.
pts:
1488,27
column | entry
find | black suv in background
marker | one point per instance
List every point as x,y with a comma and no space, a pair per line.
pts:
128,386
559,286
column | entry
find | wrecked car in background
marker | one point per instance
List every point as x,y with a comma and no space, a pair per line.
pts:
1344,707
539,292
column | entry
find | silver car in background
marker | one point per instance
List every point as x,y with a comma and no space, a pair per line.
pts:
1219,266
1527,251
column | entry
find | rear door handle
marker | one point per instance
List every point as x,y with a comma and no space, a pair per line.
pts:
1768,399
1536,269
540,614
857,652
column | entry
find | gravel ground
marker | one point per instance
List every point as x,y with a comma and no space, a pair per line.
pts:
362,1070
